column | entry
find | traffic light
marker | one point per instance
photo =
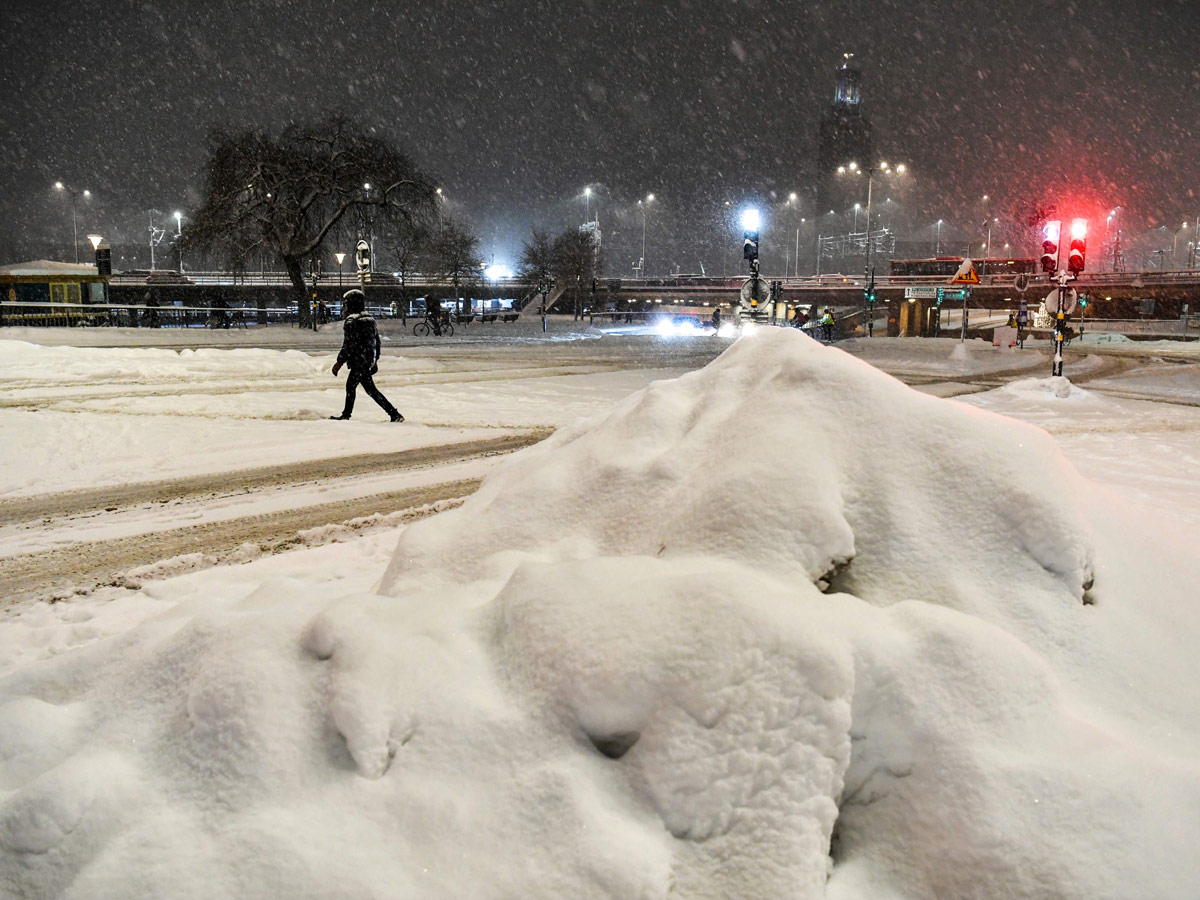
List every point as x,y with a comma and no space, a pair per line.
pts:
749,244
1083,302
1078,248
1050,235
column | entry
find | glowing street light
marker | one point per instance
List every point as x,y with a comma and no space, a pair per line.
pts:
644,207
59,186
751,219
341,258
179,237
884,168
95,239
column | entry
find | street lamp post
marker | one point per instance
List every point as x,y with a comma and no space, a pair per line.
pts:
58,185
884,169
341,258
791,201
645,206
1118,261
179,238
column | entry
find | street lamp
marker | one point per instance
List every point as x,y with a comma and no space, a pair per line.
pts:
58,185
179,238
792,201
95,240
645,206
341,258
882,169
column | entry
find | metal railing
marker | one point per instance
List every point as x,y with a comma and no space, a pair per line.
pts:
126,315
694,283
118,315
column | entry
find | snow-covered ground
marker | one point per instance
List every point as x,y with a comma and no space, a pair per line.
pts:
720,621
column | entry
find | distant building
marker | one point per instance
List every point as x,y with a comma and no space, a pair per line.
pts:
844,137
45,282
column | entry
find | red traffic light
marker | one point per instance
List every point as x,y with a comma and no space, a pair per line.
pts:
1078,249
1050,235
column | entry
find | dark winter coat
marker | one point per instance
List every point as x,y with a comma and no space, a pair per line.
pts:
360,345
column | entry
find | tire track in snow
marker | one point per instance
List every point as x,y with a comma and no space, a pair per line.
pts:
45,507
82,567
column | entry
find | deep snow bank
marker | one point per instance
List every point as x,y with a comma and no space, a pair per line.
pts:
613,673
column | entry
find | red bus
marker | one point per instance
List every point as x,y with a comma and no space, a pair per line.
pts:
947,265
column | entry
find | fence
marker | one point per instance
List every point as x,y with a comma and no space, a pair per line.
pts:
1185,327
133,316
126,315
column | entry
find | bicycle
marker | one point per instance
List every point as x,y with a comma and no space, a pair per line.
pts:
442,327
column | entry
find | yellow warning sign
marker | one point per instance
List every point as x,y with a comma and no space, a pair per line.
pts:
969,276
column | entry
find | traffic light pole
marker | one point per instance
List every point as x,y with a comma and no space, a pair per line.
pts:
1060,324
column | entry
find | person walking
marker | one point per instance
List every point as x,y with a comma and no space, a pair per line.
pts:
360,352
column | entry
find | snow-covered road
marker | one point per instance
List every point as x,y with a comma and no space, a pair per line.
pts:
268,647
176,450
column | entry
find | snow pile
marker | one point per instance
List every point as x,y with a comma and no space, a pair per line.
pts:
779,627
24,363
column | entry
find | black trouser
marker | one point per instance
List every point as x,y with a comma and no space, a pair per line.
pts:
353,380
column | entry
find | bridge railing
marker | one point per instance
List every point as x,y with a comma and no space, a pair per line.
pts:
1189,326
691,283
117,315
167,277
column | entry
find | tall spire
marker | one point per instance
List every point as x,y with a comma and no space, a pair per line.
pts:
848,94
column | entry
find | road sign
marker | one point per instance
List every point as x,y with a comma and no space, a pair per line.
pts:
755,291
921,293
1052,301
966,274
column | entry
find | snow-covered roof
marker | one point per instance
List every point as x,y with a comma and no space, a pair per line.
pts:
47,267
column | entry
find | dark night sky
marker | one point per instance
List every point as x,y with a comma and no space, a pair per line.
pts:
515,106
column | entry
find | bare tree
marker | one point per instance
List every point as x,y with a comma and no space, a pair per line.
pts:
537,258
284,194
454,254
408,249
577,261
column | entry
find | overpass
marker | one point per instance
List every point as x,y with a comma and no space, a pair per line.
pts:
1116,295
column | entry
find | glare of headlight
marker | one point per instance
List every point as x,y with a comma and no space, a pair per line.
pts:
751,219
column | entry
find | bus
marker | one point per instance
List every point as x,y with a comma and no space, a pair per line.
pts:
946,266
